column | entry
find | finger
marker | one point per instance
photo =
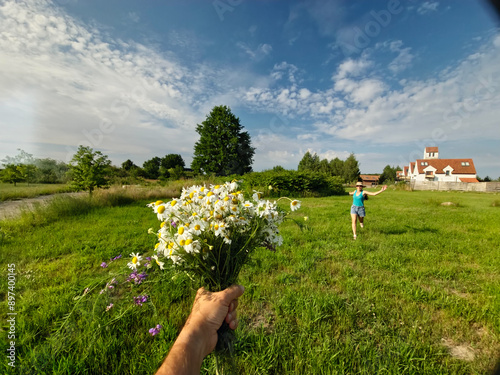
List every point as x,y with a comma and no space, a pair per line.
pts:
231,293
230,317
233,305
234,324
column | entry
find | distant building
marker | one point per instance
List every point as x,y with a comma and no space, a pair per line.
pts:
431,168
369,179
431,153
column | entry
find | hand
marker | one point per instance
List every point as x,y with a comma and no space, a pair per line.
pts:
209,311
383,188
199,335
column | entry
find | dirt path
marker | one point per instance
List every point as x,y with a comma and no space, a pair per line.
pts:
12,209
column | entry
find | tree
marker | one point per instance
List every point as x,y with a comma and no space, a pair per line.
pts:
89,169
351,169
50,171
324,167
172,161
309,163
18,168
128,164
12,174
151,168
223,148
337,167
388,174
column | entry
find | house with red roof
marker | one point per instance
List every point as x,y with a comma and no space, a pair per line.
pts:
431,168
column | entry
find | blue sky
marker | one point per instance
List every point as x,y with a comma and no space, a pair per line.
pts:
382,79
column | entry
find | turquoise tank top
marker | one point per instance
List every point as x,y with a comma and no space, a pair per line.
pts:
357,200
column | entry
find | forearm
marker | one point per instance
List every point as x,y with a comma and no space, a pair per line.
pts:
185,356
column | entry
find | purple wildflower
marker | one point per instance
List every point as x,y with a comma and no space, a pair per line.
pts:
139,300
137,278
109,307
104,265
115,258
172,223
155,330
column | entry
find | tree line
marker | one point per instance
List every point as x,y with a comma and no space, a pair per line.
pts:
347,170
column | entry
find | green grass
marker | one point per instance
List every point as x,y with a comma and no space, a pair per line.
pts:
23,190
419,287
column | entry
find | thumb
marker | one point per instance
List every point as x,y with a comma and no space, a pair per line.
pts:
233,292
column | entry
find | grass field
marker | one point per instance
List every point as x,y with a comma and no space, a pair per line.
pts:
417,293
23,190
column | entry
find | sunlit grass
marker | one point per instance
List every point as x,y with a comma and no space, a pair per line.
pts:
418,291
23,190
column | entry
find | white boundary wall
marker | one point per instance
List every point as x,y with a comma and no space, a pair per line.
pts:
460,186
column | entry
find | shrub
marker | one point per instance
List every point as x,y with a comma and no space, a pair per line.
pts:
287,182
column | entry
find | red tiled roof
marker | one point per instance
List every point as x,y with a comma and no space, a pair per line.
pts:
440,164
412,167
468,179
405,171
431,149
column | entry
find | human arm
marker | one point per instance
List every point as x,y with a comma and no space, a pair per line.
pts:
198,337
377,192
351,193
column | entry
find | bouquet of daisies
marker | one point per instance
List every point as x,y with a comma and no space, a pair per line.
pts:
209,233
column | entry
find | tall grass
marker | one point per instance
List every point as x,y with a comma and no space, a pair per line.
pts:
23,190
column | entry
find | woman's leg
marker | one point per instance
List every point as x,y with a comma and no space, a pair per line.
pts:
361,218
354,218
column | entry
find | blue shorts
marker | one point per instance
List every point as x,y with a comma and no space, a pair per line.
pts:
358,210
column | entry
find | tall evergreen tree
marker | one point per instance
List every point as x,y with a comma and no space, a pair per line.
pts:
223,148
351,169
337,167
309,163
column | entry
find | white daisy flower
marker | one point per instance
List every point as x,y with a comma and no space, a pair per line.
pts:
160,264
135,262
295,205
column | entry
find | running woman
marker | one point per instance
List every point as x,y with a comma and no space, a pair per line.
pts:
358,207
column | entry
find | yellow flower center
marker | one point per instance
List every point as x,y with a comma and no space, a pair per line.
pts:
209,194
191,195
156,246
182,242
157,203
197,227
161,209
202,189
173,203
216,186
162,224
226,199
181,230
134,260
189,241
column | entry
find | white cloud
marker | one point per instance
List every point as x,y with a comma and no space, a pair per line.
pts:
428,6
85,87
351,67
258,53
